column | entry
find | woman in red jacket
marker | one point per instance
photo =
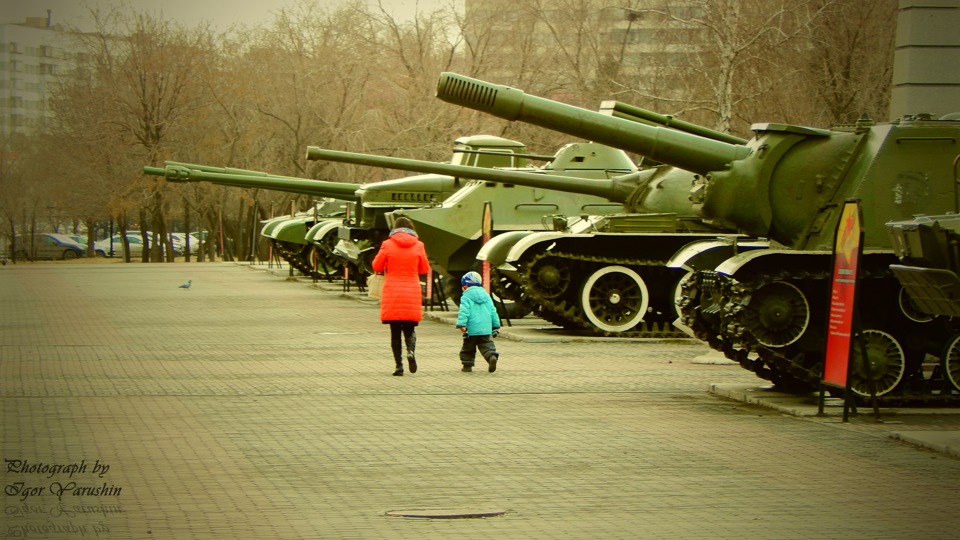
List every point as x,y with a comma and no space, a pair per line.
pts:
402,259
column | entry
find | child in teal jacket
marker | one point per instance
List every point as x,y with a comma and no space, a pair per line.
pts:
479,323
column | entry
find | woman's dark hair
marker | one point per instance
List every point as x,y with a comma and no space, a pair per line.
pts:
403,223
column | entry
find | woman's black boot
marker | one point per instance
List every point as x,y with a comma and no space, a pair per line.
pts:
412,361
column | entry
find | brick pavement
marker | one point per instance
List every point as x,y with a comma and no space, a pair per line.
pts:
250,406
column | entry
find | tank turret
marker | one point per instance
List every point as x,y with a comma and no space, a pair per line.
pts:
768,308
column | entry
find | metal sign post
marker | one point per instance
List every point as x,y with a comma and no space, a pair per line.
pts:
486,229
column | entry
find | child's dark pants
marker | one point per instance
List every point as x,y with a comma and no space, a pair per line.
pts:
472,344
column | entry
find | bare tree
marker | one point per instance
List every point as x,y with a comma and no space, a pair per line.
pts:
850,66
356,78
140,78
735,55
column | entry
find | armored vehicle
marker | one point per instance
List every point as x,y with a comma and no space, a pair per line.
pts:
313,243
767,308
583,277
359,237
452,230
454,233
928,249
286,233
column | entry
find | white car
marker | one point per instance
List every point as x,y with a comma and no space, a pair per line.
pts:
179,240
103,247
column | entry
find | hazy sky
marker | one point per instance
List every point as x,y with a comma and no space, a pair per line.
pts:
221,13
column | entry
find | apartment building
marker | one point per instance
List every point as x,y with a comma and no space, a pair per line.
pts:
33,55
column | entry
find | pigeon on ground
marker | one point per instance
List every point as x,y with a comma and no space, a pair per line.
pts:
187,284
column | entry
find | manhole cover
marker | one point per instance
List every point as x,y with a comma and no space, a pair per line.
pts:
446,513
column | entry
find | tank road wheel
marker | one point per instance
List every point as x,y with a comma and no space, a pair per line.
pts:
509,298
951,362
685,283
678,293
614,298
885,364
777,314
910,309
550,276
324,265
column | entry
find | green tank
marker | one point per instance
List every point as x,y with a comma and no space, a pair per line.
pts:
313,244
357,239
574,270
928,252
286,234
360,238
767,308
452,230
588,184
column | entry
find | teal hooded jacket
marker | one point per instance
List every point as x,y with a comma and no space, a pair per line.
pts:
477,313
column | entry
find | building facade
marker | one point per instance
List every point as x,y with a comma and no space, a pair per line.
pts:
33,56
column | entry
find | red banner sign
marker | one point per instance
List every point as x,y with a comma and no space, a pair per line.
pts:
846,258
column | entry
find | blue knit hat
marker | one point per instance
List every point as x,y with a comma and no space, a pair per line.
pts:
471,279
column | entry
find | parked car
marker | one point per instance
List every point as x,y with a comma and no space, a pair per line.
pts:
103,247
47,246
79,239
180,243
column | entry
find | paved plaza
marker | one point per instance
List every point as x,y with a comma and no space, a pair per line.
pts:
255,406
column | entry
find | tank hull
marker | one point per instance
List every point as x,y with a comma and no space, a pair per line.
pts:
610,279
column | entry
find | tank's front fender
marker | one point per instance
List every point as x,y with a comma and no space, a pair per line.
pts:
318,232
496,249
537,238
707,254
774,260
293,231
271,226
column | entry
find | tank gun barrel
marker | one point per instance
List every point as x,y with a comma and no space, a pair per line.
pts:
617,189
222,170
636,114
303,186
683,150
537,157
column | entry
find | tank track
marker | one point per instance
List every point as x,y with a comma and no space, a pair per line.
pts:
570,315
296,255
717,318
713,306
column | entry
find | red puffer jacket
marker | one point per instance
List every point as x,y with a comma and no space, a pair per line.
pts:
402,259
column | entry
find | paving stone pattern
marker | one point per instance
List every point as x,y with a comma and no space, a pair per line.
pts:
252,406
